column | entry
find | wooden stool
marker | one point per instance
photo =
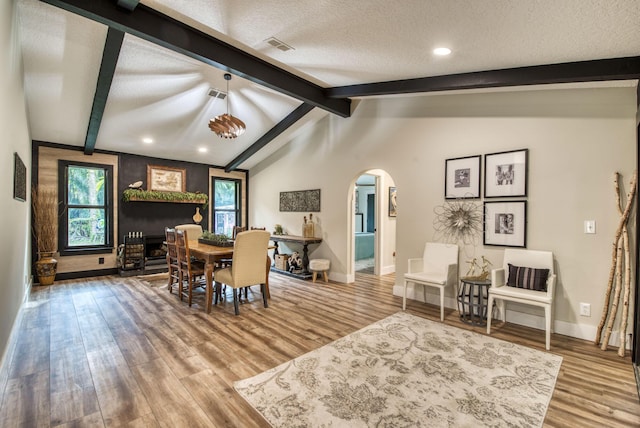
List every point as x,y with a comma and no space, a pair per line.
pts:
319,265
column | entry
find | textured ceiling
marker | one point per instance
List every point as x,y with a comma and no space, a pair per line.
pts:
160,94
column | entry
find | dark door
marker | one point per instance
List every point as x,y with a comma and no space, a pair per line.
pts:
371,212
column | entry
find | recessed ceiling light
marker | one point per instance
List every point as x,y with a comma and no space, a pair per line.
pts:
147,140
441,51
202,150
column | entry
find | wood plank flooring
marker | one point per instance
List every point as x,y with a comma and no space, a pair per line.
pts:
114,351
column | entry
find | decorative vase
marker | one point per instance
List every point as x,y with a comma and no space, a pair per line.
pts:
46,268
197,217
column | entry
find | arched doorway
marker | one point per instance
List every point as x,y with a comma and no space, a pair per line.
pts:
372,232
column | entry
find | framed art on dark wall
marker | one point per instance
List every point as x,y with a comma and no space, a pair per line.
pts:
506,174
462,178
505,223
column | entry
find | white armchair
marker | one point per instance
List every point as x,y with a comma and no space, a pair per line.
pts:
438,268
538,289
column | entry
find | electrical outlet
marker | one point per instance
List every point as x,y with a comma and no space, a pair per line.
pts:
100,260
585,309
590,226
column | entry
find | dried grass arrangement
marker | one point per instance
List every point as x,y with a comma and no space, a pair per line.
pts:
44,203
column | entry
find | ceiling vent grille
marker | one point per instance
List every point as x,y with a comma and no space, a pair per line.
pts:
278,44
216,93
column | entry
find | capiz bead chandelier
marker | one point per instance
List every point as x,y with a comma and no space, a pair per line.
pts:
225,125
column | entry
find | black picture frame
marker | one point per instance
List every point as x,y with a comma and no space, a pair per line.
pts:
505,224
462,177
505,174
19,179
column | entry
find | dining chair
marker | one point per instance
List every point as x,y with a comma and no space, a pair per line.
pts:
189,269
172,259
248,267
195,230
236,230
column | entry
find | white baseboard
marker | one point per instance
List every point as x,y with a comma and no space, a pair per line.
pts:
5,361
386,270
578,331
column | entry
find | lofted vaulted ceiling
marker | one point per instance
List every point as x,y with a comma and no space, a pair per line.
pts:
106,74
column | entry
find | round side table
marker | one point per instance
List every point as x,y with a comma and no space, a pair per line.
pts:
472,301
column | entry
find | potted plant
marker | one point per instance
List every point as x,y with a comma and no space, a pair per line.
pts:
44,204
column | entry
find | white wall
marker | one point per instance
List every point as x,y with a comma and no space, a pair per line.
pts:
577,138
14,138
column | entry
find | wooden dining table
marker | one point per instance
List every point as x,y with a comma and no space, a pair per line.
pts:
212,254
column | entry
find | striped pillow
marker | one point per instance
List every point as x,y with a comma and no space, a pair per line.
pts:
529,278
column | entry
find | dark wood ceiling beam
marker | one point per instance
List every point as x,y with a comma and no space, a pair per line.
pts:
128,4
155,27
571,72
110,55
280,127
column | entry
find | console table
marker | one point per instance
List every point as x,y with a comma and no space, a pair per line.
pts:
300,240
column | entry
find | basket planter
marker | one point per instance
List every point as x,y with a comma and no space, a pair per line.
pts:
282,261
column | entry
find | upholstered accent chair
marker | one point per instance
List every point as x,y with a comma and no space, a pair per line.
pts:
527,277
248,267
437,268
194,230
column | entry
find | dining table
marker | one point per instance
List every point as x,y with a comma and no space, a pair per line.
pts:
211,255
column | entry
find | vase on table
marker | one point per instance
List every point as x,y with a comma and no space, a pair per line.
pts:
46,268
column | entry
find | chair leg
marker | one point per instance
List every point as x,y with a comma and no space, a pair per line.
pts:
263,289
489,313
441,303
547,317
236,307
404,296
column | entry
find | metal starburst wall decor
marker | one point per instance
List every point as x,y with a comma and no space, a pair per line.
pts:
458,221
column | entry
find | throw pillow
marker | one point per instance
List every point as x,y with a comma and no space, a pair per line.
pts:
525,277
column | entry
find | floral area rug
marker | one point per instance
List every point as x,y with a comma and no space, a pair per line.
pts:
406,371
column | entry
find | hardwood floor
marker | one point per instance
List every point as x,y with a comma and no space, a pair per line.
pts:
114,351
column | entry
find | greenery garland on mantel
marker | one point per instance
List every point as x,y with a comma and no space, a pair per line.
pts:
138,195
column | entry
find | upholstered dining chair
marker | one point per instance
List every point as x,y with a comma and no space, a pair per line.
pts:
172,259
189,269
195,230
248,267
437,268
527,277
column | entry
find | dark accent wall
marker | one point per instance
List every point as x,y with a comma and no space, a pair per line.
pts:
151,218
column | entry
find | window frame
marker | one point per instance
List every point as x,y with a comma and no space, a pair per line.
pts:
63,226
238,201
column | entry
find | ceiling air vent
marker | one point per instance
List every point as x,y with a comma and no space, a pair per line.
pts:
279,44
216,93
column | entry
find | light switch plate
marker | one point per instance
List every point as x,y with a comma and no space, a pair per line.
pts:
589,226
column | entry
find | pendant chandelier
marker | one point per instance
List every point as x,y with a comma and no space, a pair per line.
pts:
225,125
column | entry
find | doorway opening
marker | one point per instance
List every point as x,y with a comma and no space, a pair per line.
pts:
372,232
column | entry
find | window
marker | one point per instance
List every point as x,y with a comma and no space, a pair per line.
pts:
86,205
226,205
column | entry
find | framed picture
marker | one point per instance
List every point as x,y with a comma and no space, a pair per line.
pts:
300,201
462,177
505,223
19,179
505,174
393,205
166,179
